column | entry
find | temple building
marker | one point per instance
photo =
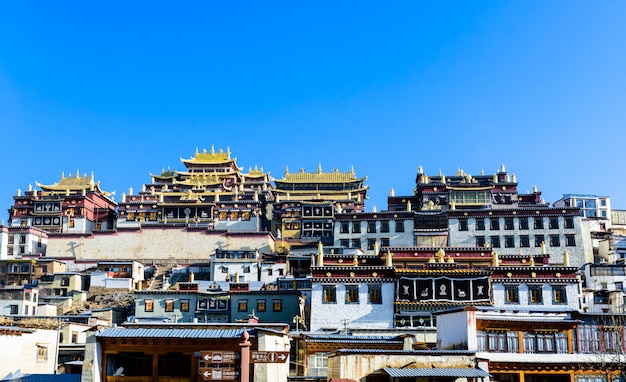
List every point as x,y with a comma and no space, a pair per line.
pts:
212,192
306,203
75,204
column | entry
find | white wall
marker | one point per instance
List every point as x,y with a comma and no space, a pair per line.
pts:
18,353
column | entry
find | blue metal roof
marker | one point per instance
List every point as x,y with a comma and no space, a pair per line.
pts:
46,378
436,372
169,333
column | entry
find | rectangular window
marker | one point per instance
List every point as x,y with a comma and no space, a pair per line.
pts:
555,241
370,243
329,294
169,304
538,223
356,227
569,222
371,227
554,223
260,306
356,243
184,305
149,305
42,353
65,281
384,226
539,239
512,294
13,309
374,294
570,240
242,306
463,225
558,294
495,241
344,228
509,241
508,224
269,271
535,295
480,224
277,305
344,243
619,285
399,225
352,294
480,241
524,241
523,223
494,223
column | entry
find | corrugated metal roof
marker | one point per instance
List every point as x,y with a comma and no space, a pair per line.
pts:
436,372
170,333
405,352
46,378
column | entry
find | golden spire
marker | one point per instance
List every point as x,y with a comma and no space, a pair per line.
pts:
532,260
389,260
355,260
566,258
495,260
320,254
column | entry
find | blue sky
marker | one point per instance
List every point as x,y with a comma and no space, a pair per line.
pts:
123,89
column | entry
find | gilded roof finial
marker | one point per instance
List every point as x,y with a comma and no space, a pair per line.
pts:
374,208
286,171
392,192
543,247
389,259
320,254
566,258
482,171
450,260
212,149
355,260
228,151
513,178
62,174
440,254
534,189
319,168
30,187
77,173
532,260
352,169
495,260
376,248
420,170
502,168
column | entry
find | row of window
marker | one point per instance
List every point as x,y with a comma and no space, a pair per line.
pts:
533,342
374,295
356,243
169,305
535,294
261,305
371,226
524,241
522,223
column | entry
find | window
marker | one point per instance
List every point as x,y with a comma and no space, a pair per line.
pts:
523,223
318,361
13,309
260,306
329,294
22,239
495,241
242,306
184,305
570,240
509,241
352,294
538,223
463,225
554,223
344,228
539,239
269,271
494,223
374,294
555,241
480,241
524,241
558,294
384,226
371,227
169,304
384,242
42,353
535,294
277,305
512,294
356,227
246,269
601,297
569,222
344,243
400,226
480,224
370,243
356,243
149,305
498,341
619,285
508,224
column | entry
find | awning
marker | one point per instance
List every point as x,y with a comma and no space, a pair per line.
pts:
436,372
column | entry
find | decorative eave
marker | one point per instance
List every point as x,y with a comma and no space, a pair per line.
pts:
320,177
72,185
456,272
211,157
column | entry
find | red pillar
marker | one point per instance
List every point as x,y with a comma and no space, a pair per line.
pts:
245,357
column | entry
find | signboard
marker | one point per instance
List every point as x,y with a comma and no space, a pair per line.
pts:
218,356
218,374
269,356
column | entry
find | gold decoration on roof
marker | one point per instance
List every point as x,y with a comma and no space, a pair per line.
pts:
74,185
319,176
210,157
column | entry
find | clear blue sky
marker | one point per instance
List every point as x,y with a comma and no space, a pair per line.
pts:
127,88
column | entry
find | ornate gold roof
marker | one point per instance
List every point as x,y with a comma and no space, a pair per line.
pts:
210,157
73,184
319,176
200,180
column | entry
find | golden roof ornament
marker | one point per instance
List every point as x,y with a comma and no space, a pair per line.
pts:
319,168
543,247
374,208
376,247
392,192
502,168
440,254
389,260
566,258
320,254
355,260
532,260
495,260
420,170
